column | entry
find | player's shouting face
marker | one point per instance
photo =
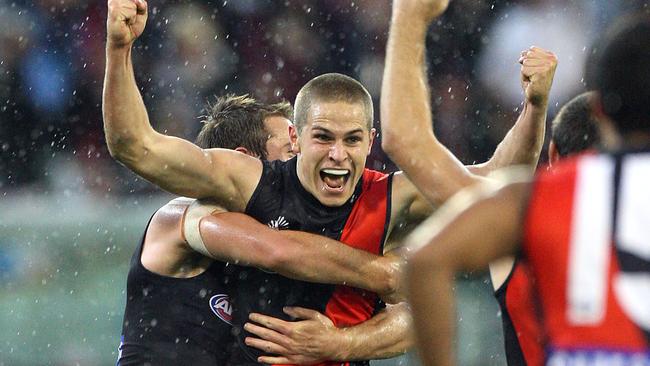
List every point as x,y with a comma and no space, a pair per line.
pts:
333,147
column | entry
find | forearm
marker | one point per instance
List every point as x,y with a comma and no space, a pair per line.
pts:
431,288
523,143
239,238
387,334
407,132
405,116
320,259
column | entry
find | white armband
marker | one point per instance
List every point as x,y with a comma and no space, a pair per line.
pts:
191,221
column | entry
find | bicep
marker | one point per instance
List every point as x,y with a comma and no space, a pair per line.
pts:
180,167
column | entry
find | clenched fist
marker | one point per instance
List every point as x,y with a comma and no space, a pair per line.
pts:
426,10
125,22
537,70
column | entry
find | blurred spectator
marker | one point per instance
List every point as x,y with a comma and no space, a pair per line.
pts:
52,62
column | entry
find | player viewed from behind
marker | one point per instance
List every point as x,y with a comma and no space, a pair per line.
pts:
582,229
573,131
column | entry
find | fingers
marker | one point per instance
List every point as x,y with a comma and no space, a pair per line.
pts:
300,313
269,360
141,6
271,322
536,53
266,346
267,334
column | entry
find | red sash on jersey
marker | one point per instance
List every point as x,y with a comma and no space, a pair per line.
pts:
364,230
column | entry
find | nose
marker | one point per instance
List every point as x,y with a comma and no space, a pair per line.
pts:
337,152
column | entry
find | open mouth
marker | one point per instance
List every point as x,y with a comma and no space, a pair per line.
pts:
334,179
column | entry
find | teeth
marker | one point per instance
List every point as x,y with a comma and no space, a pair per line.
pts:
336,171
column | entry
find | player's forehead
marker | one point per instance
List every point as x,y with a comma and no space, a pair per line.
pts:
338,117
277,126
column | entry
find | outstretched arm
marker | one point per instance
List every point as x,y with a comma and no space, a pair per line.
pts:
173,164
406,116
408,136
465,235
523,143
313,338
308,257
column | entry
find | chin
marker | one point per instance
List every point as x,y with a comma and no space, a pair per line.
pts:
333,201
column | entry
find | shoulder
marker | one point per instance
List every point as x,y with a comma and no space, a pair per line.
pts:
169,216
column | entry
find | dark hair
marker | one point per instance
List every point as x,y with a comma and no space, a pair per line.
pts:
574,128
622,74
238,121
331,88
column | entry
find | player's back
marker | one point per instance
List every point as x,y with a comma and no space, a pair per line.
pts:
174,321
587,239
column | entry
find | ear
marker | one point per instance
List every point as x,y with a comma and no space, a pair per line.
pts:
373,133
244,150
553,154
610,138
293,136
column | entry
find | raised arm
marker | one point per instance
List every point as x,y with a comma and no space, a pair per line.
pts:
313,338
173,164
238,238
407,135
523,143
464,235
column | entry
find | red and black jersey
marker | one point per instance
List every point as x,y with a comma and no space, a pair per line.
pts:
522,332
587,240
282,202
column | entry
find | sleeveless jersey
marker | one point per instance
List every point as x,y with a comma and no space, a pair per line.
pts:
522,332
174,321
282,202
587,239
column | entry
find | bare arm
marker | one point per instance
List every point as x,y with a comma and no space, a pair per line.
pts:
308,257
523,143
172,163
465,235
408,136
314,338
406,116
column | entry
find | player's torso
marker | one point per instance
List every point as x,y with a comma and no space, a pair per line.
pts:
587,239
282,203
171,321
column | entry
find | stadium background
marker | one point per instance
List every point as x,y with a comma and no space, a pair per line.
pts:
70,216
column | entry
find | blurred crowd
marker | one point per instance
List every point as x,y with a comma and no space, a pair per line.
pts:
52,64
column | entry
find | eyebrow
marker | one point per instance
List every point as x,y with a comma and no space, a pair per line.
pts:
323,129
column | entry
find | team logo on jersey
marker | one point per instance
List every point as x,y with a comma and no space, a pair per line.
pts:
221,306
279,223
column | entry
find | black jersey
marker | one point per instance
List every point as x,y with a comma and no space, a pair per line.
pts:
282,202
175,321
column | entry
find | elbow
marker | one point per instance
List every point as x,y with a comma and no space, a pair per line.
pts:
390,143
127,150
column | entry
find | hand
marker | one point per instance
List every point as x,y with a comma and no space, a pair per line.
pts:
537,70
307,341
125,22
426,10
